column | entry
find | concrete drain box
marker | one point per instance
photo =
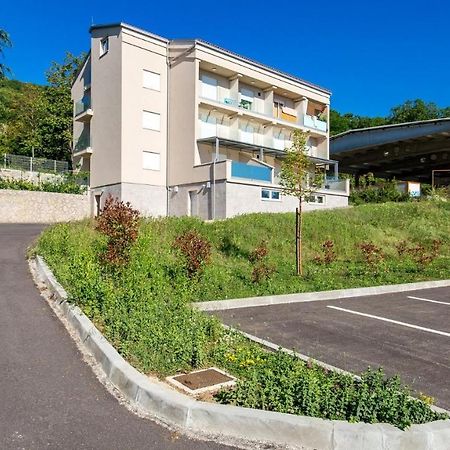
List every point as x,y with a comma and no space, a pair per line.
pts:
203,380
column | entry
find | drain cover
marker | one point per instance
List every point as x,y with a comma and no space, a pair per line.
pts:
205,380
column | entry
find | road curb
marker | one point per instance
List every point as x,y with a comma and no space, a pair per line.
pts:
250,302
236,422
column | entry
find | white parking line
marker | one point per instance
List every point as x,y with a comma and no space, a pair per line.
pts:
428,300
385,319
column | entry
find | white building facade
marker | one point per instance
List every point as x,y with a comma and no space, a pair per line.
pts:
183,127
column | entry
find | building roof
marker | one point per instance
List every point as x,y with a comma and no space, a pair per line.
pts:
406,150
214,47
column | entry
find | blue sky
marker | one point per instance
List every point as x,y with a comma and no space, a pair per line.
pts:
372,55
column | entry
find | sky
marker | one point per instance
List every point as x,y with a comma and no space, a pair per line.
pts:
371,55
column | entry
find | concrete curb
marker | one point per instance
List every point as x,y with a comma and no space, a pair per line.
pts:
249,302
232,421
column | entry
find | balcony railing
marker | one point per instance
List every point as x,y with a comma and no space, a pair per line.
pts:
82,106
83,143
315,123
251,172
337,184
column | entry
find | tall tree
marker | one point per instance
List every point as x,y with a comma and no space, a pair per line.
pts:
414,110
5,41
299,177
56,125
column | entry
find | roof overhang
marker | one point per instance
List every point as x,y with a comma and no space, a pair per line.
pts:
256,148
405,151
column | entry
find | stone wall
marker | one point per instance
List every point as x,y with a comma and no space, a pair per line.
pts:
42,207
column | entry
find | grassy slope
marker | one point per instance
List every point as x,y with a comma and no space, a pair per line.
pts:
229,275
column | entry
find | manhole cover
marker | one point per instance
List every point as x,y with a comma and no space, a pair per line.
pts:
204,380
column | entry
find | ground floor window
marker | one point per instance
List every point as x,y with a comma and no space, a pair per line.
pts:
270,194
319,199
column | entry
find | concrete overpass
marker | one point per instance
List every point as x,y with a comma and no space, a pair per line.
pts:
406,151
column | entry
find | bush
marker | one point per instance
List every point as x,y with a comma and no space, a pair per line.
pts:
195,249
419,253
328,254
119,222
67,185
280,382
371,253
261,269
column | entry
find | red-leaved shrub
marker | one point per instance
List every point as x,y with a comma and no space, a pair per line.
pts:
120,223
195,249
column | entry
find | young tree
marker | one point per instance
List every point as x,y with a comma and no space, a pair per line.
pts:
5,41
299,177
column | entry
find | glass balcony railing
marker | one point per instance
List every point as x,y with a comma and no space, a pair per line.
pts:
82,106
314,122
83,143
251,172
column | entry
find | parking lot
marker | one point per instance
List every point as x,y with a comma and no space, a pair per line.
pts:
406,333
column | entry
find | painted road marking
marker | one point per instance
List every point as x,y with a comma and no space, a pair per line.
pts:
385,319
428,300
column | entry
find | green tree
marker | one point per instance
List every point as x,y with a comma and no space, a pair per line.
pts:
299,177
5,41
414,110
31,109
21,110
340,123
56,125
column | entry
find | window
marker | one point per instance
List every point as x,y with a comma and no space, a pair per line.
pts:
151,120
151,80
151,161
318,199
269,194
247,97
275,195
104,46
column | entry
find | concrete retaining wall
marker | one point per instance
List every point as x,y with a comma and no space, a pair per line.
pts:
41,207
238,423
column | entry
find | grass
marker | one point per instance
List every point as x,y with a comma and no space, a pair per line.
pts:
144,308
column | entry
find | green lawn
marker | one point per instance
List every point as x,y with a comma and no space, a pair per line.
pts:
144,309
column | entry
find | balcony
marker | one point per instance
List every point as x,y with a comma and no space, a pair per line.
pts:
336,184
83,110
314,123
251,172
82,146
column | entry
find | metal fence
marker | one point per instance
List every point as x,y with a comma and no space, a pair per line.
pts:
27,163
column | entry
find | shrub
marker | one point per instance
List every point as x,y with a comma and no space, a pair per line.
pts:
371,253
195,249
280,382
328,254
419,253
120,223
66,185
261,269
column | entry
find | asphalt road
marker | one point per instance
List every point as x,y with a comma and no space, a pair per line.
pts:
50,398
406,333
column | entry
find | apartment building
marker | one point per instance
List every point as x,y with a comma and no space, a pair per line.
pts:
183,127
